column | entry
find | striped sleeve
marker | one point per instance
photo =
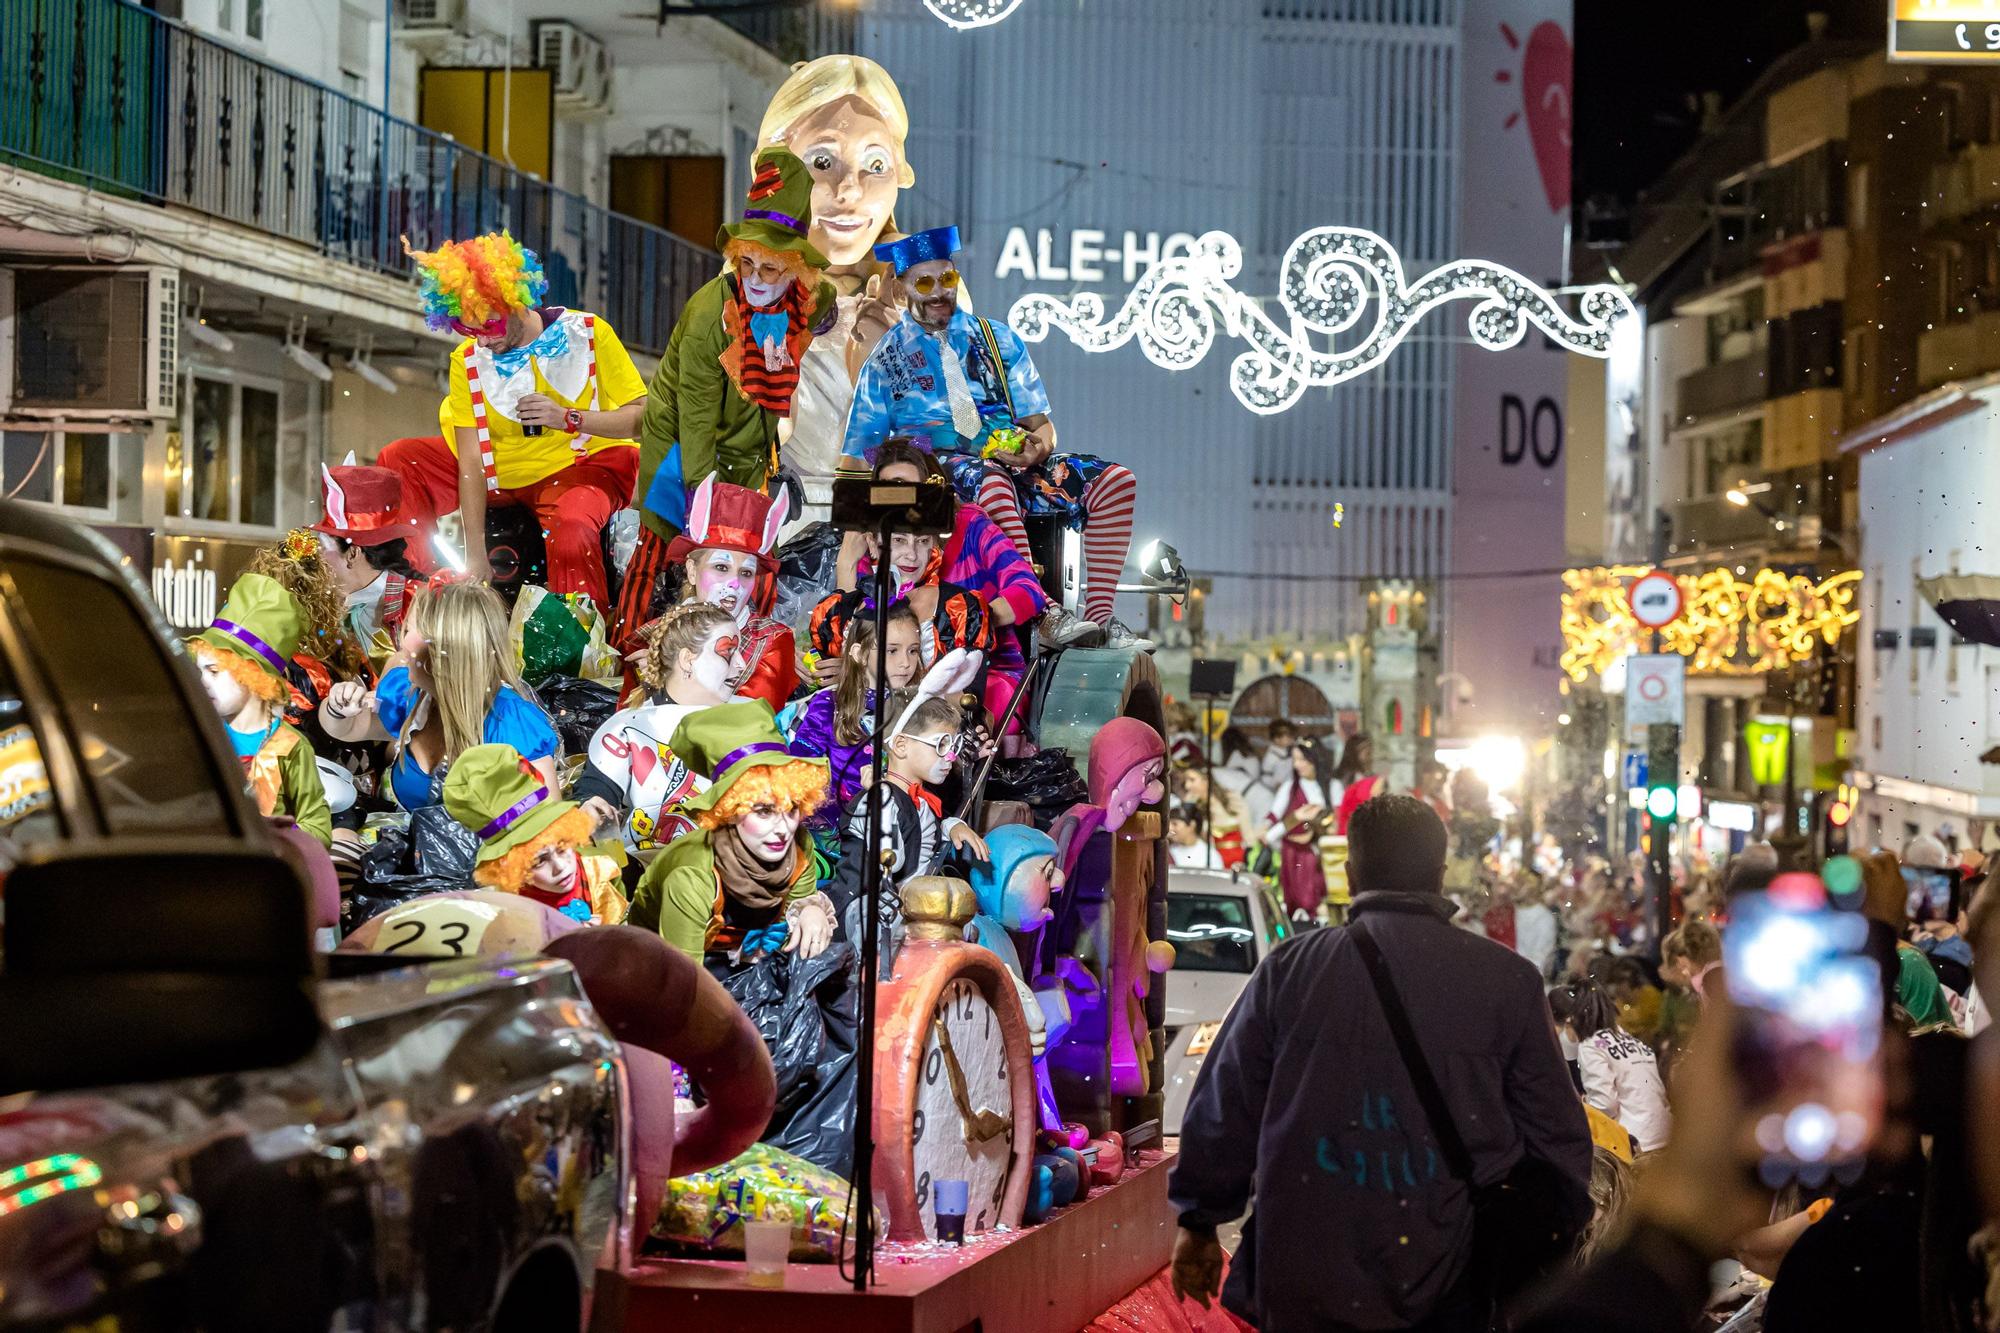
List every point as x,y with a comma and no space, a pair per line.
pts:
989,564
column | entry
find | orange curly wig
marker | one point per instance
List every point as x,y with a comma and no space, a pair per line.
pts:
256,680
797,788
509,873
794,263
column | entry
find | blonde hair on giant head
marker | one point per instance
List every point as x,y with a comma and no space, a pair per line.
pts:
468,659
820,83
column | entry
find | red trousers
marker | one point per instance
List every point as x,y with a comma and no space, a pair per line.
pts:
573,505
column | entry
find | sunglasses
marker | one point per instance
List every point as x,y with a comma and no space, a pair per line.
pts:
924,286
492,328
947,745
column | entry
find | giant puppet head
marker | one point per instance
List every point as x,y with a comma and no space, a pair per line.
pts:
730,542
1128,769
844,117
1022,872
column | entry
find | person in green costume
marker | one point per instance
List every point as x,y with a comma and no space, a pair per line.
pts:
745,884
731,368
242,658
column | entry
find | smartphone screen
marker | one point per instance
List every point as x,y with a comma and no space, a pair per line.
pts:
1809,1040
1933,894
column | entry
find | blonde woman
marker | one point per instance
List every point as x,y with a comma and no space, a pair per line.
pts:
451,685
844,117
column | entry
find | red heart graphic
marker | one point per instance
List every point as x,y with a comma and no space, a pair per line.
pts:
644,760
1545,97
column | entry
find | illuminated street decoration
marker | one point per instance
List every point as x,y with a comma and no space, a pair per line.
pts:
972,13
1728,626
1332,278
44,1178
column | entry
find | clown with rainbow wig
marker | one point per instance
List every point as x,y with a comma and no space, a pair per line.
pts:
543,411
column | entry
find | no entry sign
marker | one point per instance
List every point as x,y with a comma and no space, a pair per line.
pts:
1655,599
1655,691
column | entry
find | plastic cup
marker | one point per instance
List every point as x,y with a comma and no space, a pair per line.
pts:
949,1206
767,1250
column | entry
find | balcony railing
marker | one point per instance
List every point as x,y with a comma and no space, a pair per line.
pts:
106,94
1723,387
800,33
1964,184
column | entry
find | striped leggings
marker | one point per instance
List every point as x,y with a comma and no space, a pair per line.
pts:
1108,503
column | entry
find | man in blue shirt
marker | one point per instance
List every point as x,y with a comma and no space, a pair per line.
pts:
967,389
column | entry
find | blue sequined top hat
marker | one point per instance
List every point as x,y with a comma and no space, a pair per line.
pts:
937,243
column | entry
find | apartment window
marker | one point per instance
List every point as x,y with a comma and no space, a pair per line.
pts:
253,20
93,472
1725,458
230,458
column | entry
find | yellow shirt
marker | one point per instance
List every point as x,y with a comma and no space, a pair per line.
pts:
523,460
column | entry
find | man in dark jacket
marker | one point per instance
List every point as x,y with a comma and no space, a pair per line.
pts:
1359,1223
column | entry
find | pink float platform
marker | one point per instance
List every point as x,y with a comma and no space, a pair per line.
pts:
1052,1278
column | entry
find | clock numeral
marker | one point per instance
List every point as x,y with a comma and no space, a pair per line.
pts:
1003,1066
980,1225
933,1066
923,1190
917,1128
989,1021
999,1190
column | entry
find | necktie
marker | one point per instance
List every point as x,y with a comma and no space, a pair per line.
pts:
964,412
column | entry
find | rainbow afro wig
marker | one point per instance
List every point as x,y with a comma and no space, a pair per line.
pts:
470,284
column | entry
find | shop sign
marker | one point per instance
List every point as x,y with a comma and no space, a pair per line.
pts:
1085,254
191,576
1949,32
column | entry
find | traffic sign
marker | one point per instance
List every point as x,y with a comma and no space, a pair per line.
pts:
1635,769
1655,691
1655,599
1944,31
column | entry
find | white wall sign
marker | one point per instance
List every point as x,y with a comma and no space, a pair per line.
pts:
1732,816
1331,277
1087,254
1655,691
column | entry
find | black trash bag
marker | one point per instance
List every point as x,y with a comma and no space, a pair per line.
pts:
388,878
808,1013
808,569
1047,781
578,708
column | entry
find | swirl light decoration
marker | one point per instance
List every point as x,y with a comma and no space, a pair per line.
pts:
971,13
1332,278
1728,626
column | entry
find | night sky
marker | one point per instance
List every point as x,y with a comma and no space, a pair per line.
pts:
1639,62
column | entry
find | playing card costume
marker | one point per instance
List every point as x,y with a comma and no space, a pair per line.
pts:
963,389
574,481
730,369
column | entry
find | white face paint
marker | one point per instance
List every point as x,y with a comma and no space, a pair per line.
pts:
768,832
764,294
554,871
724,579
934,751
720,666
908,556
224,690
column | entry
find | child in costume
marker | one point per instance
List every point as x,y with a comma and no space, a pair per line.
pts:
950,618
694,660
969,386
916,833
731,367
365,542
542,411
531,843
833,724
242,657
730,553
745,884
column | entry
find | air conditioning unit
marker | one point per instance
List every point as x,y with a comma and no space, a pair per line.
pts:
581,65
430,15
90,342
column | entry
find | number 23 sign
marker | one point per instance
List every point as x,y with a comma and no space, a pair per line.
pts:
439,928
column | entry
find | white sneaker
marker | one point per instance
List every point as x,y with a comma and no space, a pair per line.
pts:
1117,634
1059,627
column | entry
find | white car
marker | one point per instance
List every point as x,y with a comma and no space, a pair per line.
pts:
1221,926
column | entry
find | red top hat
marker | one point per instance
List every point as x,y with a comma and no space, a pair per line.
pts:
725,517
364,506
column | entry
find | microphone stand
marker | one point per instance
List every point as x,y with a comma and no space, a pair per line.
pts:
871,941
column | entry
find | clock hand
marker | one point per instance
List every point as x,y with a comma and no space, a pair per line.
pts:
980,1126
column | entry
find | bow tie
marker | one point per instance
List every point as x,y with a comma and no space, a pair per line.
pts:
553,343
770,939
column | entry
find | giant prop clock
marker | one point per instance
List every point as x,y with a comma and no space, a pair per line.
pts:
956,1093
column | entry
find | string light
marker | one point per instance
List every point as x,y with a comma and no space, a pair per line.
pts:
1332,277
1729,625
964,14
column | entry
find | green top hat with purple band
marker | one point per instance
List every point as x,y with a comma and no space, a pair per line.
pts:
260,621
778,213
499,796
725,742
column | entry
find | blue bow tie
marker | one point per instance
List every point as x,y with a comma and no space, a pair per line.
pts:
553,343
768,940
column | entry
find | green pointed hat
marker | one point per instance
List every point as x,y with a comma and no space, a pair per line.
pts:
779,211
725,742
259,621
495,793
